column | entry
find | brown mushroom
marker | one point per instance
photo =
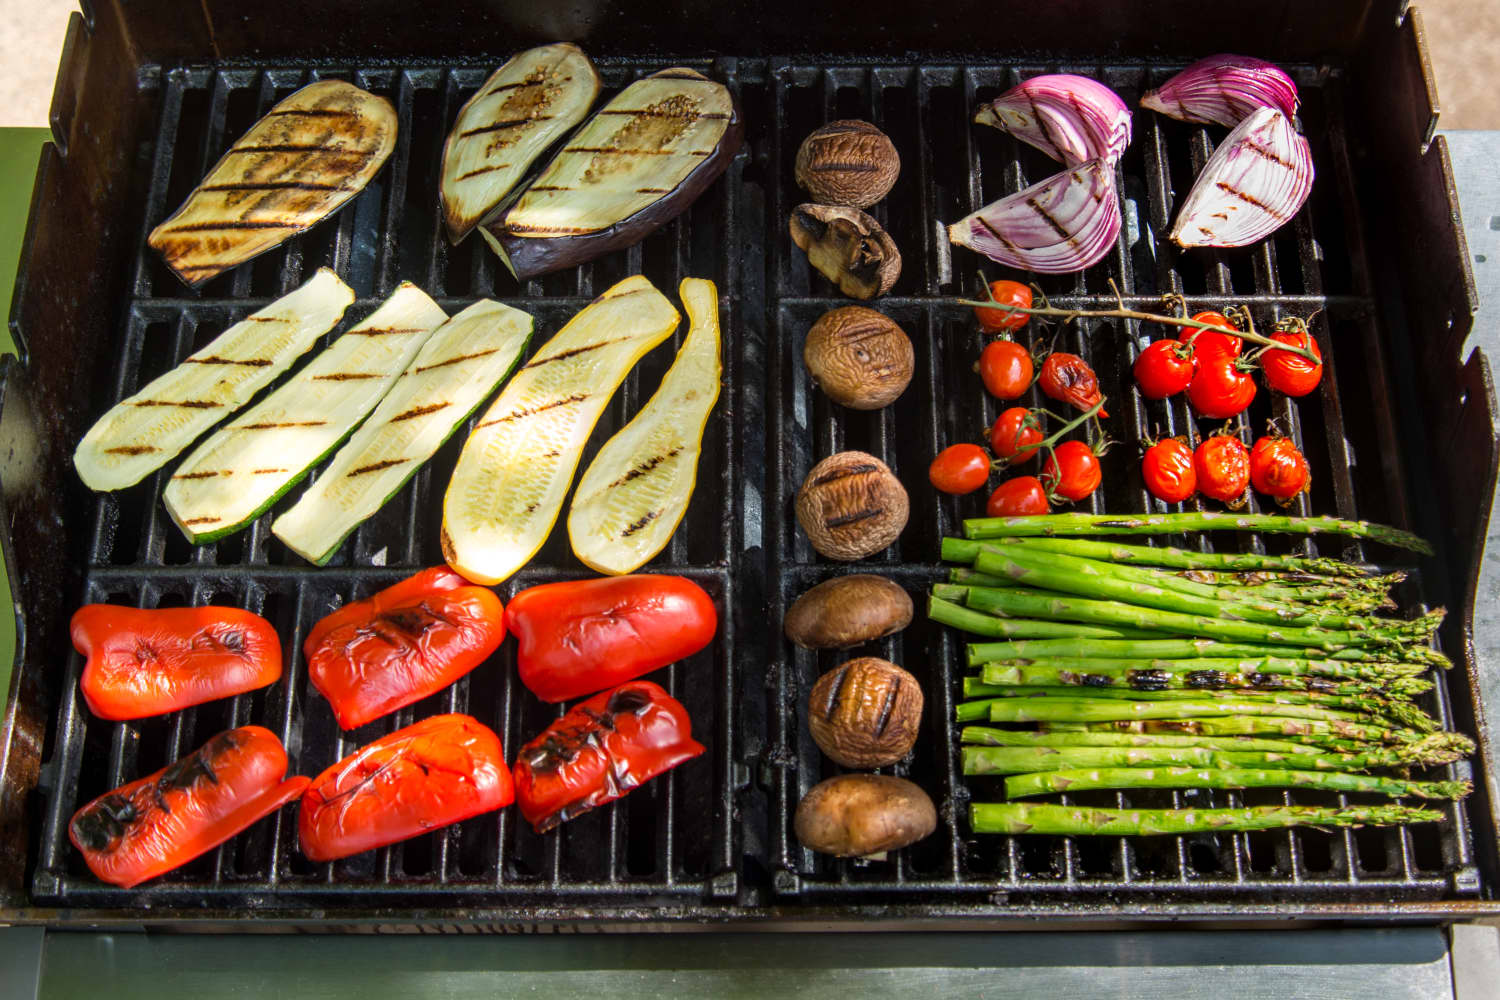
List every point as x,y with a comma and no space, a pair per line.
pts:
852,505
865,713
847,611
847,162
848,248
859,815
860,357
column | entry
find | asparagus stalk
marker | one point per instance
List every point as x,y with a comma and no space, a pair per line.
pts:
1067,673
1265,578
1070,821
980,623
1361,663
1048,782
1431,750
1334,734
1072,708
1167,524
965,549
1025,760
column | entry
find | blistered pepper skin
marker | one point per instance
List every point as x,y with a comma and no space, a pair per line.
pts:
396,647
428,775
166,819
600,750
144,661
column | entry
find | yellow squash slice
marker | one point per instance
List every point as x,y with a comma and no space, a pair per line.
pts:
515,468
633,495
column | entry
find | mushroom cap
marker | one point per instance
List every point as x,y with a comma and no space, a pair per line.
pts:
860,357
848,162
865,713
847,247
847,611
852,815
851,505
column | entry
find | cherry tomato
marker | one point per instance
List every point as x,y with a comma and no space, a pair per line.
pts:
1278,468
1007,293
1068,378
1207,342
1014,430
1219,388
1005,367
1291,373
1168,470
1072,471
959,469
1164,369
1223,468
1016,497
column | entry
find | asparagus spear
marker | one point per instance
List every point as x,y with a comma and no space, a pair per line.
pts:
1329,733
1395,714
1080,709
1069,821
1354,662
1166,524
1259,578
1047,782
980,623
965,549
1430,750
1075,673
1025,760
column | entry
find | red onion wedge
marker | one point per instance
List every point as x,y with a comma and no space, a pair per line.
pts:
1223,90
1072,119
1065,223
1252,185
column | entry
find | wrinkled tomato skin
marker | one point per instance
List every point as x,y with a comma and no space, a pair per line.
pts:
1005,368
1079,474
1014,432
1207,343
581,636
1007,293
1163,369
604,747
1017,497
1219,389
1168,471
143,662
402,644
1068,378
164,820
1223,468
1291,373
428,775
959,469
1277,468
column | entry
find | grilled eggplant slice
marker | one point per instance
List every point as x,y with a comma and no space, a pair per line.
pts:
456,370
524,107
638,163
246,465
515,468
144,432
310,153
633,495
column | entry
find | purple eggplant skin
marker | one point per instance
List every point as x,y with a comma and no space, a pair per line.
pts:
530,257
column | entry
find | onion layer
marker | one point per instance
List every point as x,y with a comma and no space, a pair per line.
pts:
1062,224
1252,185
1224,90
1072,119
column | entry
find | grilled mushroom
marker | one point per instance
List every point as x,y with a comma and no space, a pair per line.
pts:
863,815
847,162
865,713
848,248
851,505
860,357
847,611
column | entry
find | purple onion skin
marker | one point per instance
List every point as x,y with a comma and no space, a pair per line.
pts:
1022,229
1072,119
1252,185
1223,90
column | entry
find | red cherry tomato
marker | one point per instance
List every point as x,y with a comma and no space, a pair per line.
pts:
1223,468
1068,378
1207,342
1164,369
1291,373
1168,470
1016,497
959,469
1014,431
1219,388
1072,471
1005,367
1278,468
1007,293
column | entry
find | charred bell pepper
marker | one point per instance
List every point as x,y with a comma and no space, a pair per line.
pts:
164,820
145,662
600,750
411,640
428,775
583,636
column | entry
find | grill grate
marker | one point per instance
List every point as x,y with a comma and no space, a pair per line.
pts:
713,839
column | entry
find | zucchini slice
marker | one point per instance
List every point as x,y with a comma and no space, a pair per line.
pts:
515,468
633,495
144,432
455,371
638,163
247,464
524,107
309,154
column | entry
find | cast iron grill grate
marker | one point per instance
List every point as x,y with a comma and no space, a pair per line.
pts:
714,838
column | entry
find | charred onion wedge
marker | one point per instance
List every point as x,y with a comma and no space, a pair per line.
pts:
524,107
306,157
639,162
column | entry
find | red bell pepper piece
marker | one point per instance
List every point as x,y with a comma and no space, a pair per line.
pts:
166,819
149,662
428,775
411,640
583,636
600,750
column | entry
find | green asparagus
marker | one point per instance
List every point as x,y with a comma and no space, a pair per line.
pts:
1262,658
1166,524
1083,779
1327,732
980,623
1431,750
1077,673
1070,821
964,550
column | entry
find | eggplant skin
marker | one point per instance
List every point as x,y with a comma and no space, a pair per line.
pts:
530,257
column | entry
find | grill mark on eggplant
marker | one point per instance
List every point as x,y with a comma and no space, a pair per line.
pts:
419,411
549,187
481,170
524,83
573,352
388,331
202,520
649,465
844,520
274,186
131,449
650,112
653,190
227,225
1230,189
836,692
204,474
263,319
265,472
296,147
891,691
497,126
186,404
577,397
548,230
313,113
454,360
384,463
843,473
345,376
635,526
612,151
278,425
214,360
